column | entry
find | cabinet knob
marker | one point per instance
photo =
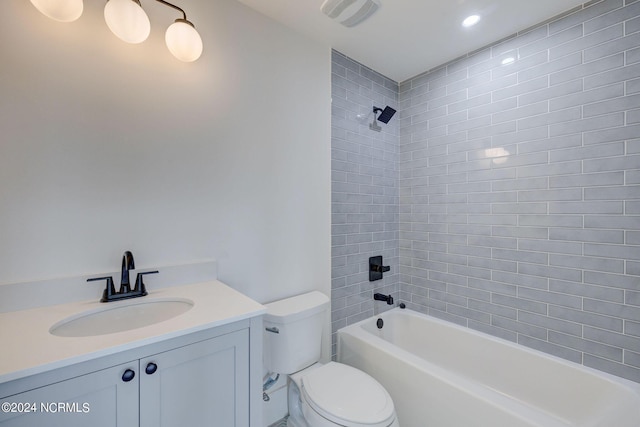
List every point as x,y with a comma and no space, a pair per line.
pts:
128,375
151,368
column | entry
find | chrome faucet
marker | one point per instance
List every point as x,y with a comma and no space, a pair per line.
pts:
125,291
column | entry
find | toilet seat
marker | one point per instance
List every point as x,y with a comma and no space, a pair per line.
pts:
347,396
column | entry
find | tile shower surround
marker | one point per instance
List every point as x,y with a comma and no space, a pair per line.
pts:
519,190
364,191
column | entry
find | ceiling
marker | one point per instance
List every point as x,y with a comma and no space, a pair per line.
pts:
407,37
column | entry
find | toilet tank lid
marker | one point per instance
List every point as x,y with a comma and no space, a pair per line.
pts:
297,307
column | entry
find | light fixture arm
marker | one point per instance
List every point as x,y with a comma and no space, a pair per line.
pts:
166,3
130,23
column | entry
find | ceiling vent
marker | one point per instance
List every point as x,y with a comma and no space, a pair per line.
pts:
349,12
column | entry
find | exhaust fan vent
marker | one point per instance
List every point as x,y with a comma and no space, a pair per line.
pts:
349,12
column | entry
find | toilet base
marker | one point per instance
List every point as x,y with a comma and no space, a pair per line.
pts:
294,421
291,423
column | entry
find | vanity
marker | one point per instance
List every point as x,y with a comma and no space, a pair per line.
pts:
200,367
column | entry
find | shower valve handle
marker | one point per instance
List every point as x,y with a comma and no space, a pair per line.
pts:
380,268
376,268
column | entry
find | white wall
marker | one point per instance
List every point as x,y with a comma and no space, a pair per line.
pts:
107,146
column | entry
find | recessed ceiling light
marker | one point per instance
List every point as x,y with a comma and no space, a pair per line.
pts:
471,21
509,60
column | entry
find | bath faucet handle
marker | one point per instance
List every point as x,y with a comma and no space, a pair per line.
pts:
139,286
109,290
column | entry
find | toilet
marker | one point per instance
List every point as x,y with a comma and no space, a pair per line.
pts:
319,395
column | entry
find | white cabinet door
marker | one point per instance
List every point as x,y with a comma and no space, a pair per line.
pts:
99,399
205,384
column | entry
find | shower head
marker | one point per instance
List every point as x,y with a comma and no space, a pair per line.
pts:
384,117
386,114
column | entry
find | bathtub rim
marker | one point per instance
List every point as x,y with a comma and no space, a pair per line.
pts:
357,330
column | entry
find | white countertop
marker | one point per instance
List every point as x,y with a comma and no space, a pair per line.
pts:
29,348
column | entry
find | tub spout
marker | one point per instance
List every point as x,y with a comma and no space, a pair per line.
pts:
383,297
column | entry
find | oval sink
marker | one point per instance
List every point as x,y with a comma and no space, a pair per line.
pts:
120,318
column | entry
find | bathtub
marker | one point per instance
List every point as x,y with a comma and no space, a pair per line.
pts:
442,375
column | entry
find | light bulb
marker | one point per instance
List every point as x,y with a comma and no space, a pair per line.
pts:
183,41
127,20
60,10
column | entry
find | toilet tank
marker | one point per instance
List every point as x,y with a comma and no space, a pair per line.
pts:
293,332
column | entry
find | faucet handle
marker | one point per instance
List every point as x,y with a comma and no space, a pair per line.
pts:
139,286
109,290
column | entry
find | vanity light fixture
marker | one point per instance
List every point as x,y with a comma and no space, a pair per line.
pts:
470,21
60,10
129,22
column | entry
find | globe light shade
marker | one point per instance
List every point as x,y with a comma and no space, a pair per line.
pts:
183,41
127,20
60,10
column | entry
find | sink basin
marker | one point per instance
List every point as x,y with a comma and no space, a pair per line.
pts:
121,317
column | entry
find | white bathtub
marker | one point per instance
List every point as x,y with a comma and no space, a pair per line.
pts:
443,375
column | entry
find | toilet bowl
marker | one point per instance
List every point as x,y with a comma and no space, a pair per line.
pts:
329,395
338,395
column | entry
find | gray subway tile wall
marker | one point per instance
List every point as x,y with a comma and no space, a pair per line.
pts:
364,191
506,191
519,182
